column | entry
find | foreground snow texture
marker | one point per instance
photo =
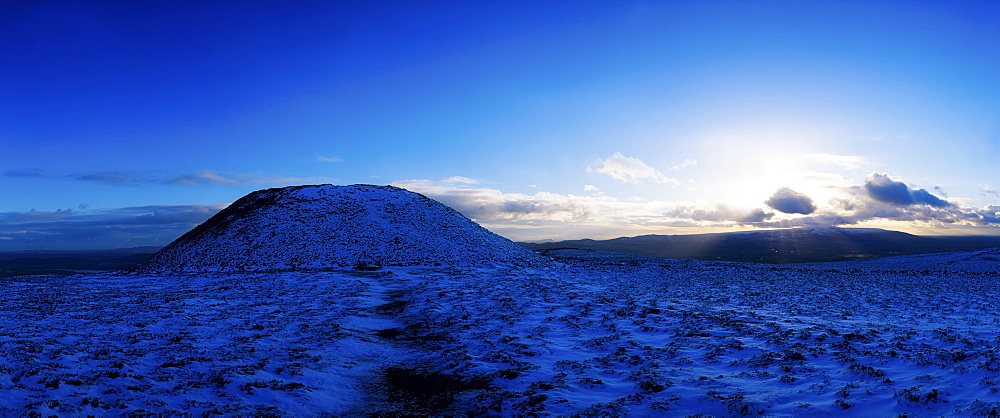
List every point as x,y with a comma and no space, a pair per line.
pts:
588,335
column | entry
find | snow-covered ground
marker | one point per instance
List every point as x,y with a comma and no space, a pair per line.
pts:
593,333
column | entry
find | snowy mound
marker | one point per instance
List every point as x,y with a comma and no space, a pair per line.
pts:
314,227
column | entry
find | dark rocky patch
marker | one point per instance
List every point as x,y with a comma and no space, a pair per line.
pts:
421,392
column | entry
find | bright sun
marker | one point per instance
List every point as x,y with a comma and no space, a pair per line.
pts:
750,178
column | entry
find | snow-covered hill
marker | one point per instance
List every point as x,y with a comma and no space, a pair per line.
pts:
324,226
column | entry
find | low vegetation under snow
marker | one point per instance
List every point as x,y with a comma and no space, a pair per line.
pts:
591,334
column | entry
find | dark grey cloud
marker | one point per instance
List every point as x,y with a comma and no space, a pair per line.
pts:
30,172
989,215
922,196
756,216
720,213
788,201
111,228
493,205
113,178
202,178
846,204
881,198
862,207
117,179
32,216
523,206
883,189
815,219
483,205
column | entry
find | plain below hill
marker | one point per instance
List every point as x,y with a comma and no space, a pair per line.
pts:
796,245
36,262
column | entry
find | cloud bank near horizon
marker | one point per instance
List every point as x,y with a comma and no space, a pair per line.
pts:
200,178
67,229
527,216
879,198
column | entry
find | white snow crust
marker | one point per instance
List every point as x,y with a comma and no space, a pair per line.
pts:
983,261
324,226
590,334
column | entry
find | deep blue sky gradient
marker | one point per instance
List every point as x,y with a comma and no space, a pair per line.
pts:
108,105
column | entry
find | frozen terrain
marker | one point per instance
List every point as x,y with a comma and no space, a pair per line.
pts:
593,333
328,300
310,227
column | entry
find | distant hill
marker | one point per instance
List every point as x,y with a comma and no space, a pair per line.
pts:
797,245
315,227
34,262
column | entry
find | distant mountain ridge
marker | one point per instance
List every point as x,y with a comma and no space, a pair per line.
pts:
323,226
796,245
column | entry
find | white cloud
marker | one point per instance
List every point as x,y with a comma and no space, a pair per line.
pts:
290,181
204,177
460,179
490,204
487,204
849,162
522,216
540,215
325,159
688,162
213,177
630,170
590,188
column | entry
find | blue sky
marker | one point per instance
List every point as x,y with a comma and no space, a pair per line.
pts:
126,123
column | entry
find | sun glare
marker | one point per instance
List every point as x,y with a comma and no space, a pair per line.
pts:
752,175
751,163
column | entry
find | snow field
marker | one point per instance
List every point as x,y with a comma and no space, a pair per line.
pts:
601,335
208,344
721,339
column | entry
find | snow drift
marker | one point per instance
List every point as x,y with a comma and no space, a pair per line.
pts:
324,226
